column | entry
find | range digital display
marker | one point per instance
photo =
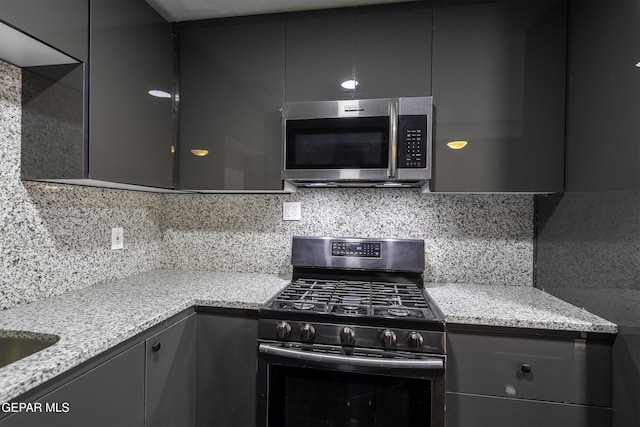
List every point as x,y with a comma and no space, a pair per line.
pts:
356,249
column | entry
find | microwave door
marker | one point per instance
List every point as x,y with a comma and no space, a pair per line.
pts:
353,148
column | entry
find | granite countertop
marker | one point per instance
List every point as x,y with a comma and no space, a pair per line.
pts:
513,306
93,320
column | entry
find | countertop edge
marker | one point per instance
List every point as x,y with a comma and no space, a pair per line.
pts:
124,303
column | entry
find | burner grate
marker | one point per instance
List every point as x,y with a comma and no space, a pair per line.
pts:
355,298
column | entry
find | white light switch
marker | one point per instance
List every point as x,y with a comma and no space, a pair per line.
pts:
117,238
291,211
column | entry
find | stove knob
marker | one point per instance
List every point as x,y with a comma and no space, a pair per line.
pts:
415,340
283,330
388,338
347,336
307,332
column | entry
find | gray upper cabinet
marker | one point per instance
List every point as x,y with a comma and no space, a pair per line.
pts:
320,56
233,82
96,123
603,105
62,24
231,92
387,50
393,52
499,85
130,131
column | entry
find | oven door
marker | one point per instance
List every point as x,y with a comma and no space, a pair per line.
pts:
301,388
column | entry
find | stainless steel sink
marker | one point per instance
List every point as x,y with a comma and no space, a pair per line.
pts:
17,345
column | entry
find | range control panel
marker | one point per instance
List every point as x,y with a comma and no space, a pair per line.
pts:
412,141
355,249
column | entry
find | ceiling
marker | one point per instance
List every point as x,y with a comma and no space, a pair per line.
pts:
187,10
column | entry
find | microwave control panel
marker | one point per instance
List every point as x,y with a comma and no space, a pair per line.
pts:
357,249
412,142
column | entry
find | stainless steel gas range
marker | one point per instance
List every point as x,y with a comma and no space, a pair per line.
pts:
353,340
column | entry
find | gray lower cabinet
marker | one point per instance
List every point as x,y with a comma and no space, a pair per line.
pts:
149,383
499,84
227,363
490,411
231,92
496,379
171,375
110,394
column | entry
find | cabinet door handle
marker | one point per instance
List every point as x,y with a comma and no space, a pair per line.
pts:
525,368
156,347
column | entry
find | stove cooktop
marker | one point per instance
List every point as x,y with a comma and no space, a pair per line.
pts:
354,298
364,293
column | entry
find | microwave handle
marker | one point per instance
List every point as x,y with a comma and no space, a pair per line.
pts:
393,139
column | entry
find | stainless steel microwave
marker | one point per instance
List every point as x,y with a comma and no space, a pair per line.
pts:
365,142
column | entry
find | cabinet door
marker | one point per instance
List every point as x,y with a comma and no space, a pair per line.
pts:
387,50
231,89
393,52
227,363
467,410
320,56
63,24
603,103
539,368
130,131
170,379
499,84
111,394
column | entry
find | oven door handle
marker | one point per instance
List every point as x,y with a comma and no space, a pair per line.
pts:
373,362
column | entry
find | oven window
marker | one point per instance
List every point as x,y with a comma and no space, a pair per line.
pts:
360,143
303,397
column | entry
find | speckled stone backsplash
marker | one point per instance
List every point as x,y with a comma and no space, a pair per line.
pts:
56,238
484,239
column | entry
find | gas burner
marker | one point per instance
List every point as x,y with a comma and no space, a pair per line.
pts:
399,311
403,312
350,309
297,305
301,305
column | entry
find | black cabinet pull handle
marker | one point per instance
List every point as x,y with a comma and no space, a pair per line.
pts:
525,368
156,347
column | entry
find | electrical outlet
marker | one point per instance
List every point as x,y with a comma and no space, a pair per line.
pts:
291,211
117,238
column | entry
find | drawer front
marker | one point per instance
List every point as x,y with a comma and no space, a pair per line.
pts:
549,369
487,411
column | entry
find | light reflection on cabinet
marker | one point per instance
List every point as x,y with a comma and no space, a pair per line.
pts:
499,84
231,92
